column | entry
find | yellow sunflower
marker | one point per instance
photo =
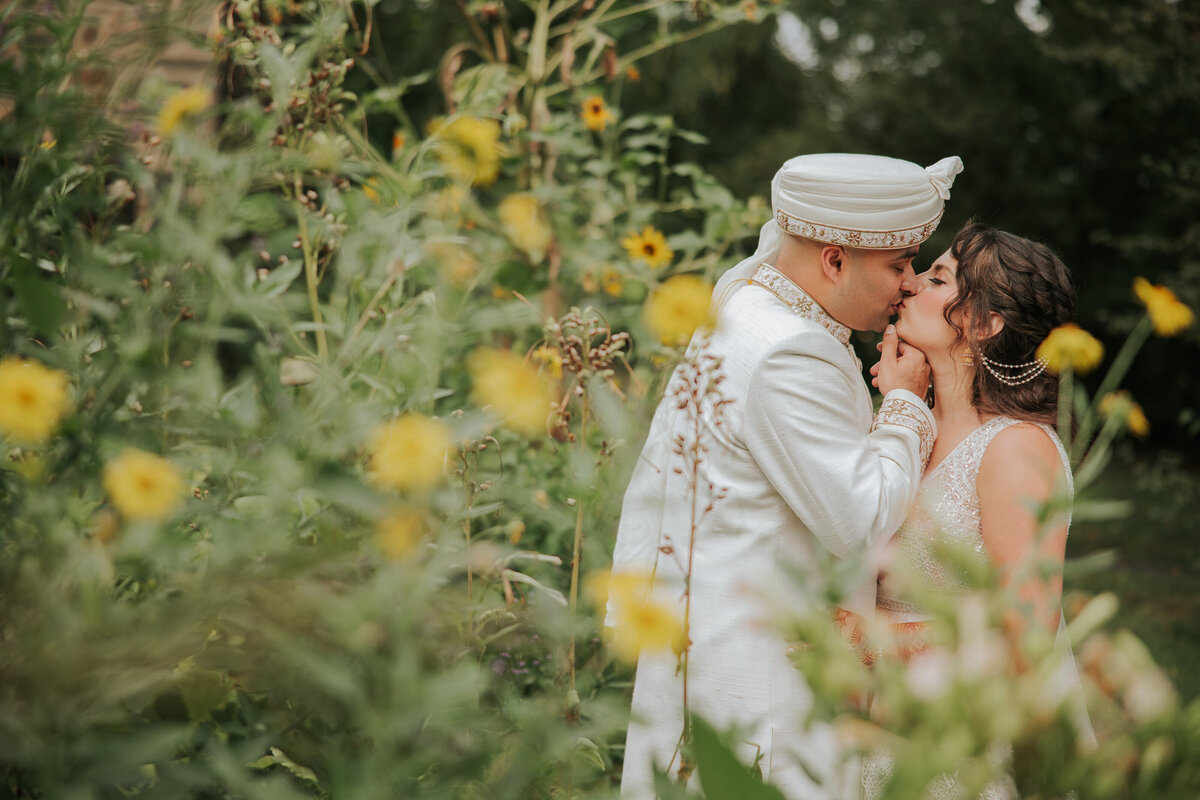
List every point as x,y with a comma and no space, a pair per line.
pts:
142,485
1168,315
649,246
1121,404
469,148
400,533
677,308
595,114
512,389
410,452
33,399
1071,347
181,106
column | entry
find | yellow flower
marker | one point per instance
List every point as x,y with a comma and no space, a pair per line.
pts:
469,148
400,533
33,398
642,622
512,389
1168,315
649,246
633,74
515,530
595,114
550,357
457,263
370,190
1071,347
448,202
182,105
409,452
620,586
1122,405
677,308
524,224
614,282
143,486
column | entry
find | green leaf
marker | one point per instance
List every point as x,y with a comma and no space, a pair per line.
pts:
280,758
721,774
38,297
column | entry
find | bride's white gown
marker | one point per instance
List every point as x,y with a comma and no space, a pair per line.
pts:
947,508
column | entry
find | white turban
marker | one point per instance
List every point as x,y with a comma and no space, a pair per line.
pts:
870,202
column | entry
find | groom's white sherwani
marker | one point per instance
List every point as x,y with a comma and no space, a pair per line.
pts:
803,467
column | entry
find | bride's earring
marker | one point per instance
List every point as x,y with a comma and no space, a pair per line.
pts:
968,358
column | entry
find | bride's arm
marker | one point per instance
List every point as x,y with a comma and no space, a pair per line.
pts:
1021,470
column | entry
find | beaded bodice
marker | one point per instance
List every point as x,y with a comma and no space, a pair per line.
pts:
947,510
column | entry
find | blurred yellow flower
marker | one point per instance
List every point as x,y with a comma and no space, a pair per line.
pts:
511,388
469,148
455,262
515,530
1123,405
448,202
370,189
33,399
410,452
1168,315
614,282
524,223
182,105
397,142
595,114
48,142
143,486
550,357
620,586
649,246
633,74
677,308
642,622
1071,347
400,533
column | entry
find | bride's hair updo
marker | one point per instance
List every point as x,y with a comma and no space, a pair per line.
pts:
1026,284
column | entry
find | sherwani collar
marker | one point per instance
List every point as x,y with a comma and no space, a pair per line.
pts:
800,302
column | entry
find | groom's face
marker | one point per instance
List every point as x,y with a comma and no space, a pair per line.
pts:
874,284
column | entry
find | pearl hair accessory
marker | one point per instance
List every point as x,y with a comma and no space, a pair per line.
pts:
1024,372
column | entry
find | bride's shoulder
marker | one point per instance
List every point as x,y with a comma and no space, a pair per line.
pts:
1020,445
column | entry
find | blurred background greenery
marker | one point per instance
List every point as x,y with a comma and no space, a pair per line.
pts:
347,212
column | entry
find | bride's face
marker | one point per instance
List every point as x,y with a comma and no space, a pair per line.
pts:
921,322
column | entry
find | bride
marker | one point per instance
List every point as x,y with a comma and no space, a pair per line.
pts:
978,315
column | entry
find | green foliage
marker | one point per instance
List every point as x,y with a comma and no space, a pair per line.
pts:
248,283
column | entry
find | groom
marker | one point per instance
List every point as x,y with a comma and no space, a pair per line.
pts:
794,463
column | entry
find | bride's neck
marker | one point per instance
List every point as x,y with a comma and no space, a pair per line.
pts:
952,392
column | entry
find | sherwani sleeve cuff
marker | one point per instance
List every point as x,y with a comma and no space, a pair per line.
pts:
903,408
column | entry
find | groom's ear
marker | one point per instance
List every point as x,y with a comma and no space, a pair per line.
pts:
833,262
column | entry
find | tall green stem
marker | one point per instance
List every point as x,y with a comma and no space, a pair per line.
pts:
1116,373
311,279
577,552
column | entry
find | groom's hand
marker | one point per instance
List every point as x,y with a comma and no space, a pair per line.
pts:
901,366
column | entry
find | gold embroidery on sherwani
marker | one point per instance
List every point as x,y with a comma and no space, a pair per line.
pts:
898,411
799,301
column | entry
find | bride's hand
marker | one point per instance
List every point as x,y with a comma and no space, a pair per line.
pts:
900,366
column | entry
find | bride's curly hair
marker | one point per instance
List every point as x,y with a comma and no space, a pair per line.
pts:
1030,289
